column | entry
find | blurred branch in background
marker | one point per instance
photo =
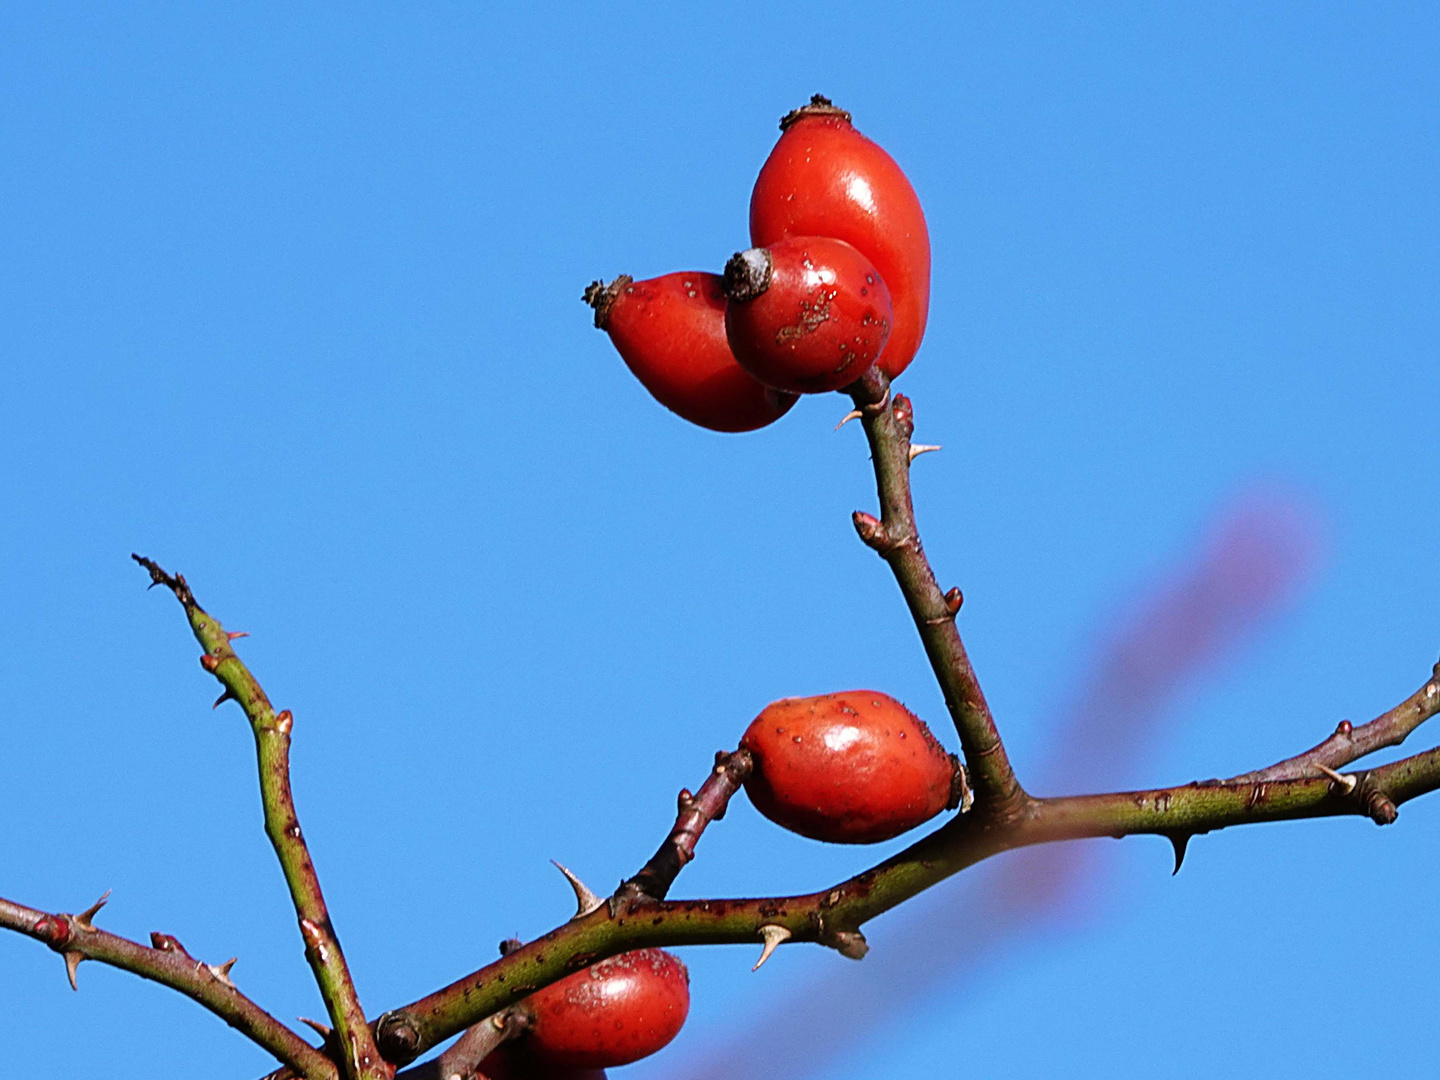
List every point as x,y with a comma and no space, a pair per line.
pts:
1252,564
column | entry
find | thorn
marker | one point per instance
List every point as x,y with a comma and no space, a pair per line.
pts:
853,414
922,448
323,1030
236,635
851,943
773,936
85,917
1346,782
226,696
72,961
585,900
222,972
1179,841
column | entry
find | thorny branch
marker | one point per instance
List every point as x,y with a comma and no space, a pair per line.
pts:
359,1059
889,424
77,938
1350,743
1004,817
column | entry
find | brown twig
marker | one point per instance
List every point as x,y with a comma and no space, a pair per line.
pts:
694,813
889,423
360,1059
461,1060
1350,743
77,938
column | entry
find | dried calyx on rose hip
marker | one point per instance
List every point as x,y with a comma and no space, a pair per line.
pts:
670,331
824,178
614,1012
807,314
855,767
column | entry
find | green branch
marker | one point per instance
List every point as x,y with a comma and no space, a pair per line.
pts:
360,1059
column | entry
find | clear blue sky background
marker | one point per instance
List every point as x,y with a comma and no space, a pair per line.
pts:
289,299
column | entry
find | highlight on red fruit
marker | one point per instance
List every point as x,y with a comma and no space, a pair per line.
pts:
612,1013
855,767
807,314
824,178
670,331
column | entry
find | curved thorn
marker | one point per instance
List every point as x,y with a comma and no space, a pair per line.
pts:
72,961
1179,841
323,1030
1346,782
236,635
585,900
922,448
222,971
773,935
85,917
853,414
226,696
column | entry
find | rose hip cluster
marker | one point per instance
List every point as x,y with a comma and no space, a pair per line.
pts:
838,281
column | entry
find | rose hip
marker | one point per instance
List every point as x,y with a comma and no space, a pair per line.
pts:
851,768
824,178
670,331
807,314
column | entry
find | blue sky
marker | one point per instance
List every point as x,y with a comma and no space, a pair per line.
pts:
289,300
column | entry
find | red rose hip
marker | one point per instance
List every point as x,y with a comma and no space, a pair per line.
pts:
824,178
855,767
670,331
612,1013
807,314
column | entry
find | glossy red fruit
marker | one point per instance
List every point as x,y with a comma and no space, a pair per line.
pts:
612,1013
826,179
807,314
670,331
851,768
515,1061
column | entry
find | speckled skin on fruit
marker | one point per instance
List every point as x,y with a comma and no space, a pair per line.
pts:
817,318
824,178
670,331
612,1013
855,767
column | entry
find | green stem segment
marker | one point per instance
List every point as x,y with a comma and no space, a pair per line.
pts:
360,1058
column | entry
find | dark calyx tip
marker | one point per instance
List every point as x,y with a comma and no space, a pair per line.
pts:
819,105
601,297
747,274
